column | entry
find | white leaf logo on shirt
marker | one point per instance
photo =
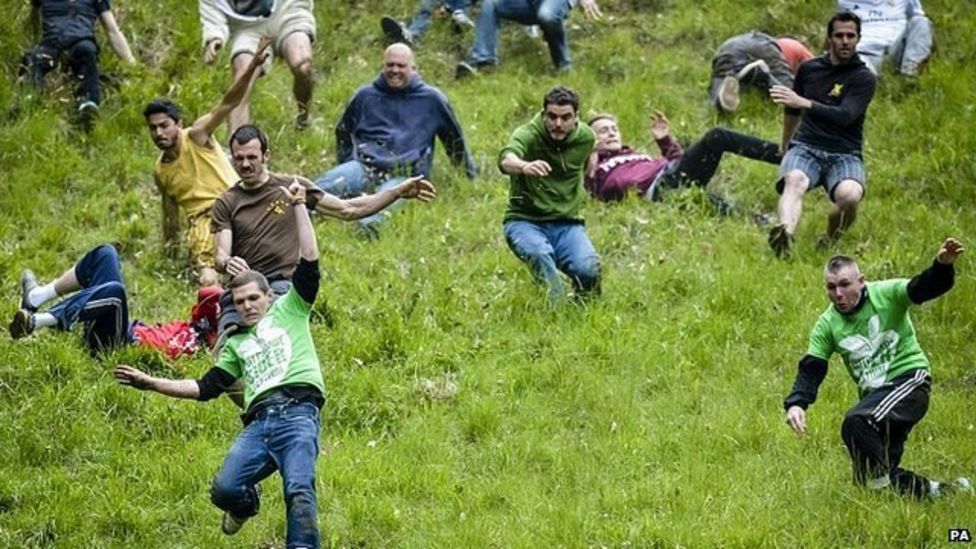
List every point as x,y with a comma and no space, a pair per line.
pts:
870,357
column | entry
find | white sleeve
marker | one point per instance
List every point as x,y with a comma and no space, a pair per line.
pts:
213,22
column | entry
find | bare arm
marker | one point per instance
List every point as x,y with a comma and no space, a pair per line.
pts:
790,123
513,165
137,379
357,208
223,261
204,126
307,246
115,36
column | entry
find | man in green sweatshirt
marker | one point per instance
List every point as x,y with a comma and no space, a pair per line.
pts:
546,159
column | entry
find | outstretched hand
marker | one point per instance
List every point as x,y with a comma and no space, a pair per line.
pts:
659,126
419,188
127,375
591,9
796,418
949,251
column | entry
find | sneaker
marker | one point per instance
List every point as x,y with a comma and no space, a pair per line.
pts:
781,241
464,70
28,281
230,524
22,324
728,94
961,485
87,114
301,119
461,19
396,31
532,31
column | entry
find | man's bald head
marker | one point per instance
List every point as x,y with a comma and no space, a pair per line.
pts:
398,66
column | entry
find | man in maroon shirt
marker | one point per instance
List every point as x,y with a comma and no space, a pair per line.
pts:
616,168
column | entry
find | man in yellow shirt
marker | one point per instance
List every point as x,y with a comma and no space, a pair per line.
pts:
193,170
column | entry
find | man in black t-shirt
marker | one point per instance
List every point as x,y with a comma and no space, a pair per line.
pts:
823,147
67,27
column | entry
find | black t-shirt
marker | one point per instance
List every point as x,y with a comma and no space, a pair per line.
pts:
840,95
65,22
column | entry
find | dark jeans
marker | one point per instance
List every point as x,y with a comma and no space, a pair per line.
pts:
82,59
876,429
101,305
284,436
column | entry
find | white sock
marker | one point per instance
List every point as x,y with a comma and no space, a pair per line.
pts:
41,295
44,320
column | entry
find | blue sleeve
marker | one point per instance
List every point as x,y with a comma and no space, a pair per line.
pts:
452,136
345,129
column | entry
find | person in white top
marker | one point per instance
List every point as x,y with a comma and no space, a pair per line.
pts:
896,30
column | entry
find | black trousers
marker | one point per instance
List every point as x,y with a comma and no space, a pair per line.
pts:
876,429
82,57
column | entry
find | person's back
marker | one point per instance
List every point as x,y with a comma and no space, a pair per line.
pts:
64,22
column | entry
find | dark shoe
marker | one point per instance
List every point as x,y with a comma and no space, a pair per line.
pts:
464,70
22,325
396,31
87,114
230,524
781,241
28,281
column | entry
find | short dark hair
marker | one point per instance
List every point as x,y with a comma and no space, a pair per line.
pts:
843,16
838,262
561,95
248,133
243,279
601,116
162,106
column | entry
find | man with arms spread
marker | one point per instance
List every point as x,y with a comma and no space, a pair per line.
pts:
93,292
387,132
252,228
275,357
68,27
832,94
897,30
546,159
615,168
868,324
289,23
193,171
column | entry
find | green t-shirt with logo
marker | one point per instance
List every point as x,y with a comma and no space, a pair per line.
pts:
275,352
877,342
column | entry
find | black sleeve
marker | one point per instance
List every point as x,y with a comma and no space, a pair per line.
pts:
932,282
214,382
809,374
852,107
306,279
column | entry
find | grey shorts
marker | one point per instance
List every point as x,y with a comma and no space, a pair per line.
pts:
822,168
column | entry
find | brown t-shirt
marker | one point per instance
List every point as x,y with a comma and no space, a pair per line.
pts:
264,229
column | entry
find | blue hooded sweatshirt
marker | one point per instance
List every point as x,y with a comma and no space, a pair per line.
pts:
393,130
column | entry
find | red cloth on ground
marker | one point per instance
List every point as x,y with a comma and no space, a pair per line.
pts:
180,337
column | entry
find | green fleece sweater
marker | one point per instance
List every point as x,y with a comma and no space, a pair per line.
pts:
557,196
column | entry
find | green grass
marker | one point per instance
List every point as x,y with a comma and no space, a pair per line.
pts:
462,411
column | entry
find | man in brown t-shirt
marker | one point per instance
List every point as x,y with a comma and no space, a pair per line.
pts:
250,223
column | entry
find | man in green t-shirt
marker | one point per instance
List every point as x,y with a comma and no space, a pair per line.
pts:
867,323
546,159
274,355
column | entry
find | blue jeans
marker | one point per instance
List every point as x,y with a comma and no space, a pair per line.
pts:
548,246
421,21
283,436
101,305
548,14
350,179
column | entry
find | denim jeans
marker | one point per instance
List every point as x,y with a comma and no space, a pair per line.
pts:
101,305
548,246
351,179
284,436
908,52
82,59
548,14
418,26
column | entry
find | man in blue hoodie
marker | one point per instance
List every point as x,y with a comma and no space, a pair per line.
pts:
387,134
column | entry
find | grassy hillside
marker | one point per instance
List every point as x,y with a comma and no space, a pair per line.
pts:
462,411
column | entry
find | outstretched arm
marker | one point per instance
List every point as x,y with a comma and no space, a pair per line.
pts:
661,132
137,379
511,164
203,127
940,277
809,375
357,208
115,36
